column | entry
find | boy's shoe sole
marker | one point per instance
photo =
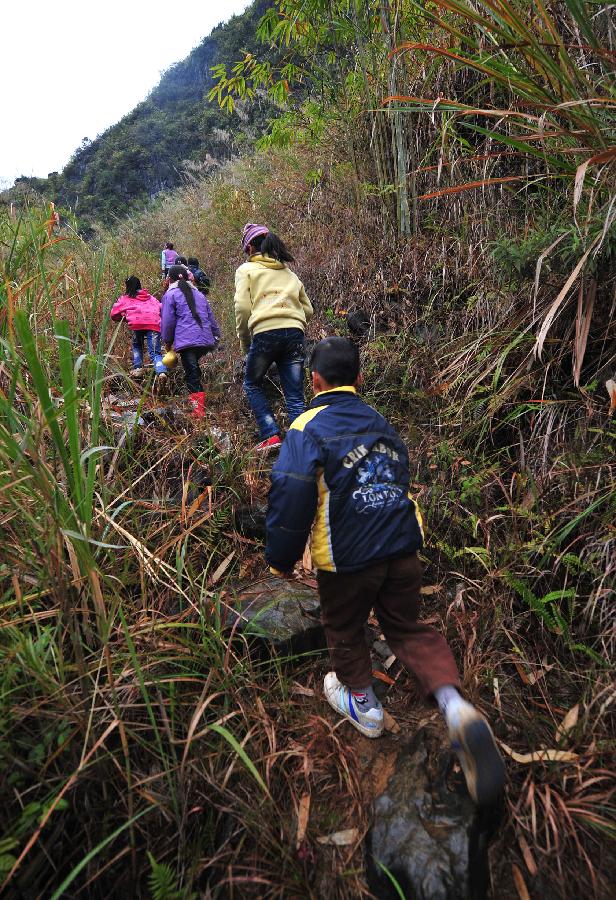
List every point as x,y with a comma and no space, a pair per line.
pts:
481,762
332,689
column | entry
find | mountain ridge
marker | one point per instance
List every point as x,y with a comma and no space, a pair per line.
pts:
173,131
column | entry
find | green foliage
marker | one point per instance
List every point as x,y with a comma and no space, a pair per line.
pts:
559,245
518,259
545,608
392,879
528,58
339,53
7,859
163,883
121,697
112,617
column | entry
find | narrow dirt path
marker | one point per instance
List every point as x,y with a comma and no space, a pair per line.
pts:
341,773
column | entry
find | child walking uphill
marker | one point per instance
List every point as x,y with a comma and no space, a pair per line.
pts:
271,312
168,258
343,461
189,324
142,313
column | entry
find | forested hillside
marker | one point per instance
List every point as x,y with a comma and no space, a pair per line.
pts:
445,177
172,133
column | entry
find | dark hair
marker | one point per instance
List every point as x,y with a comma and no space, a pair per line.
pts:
169,245
179,274
336,360
180,261
193,261
132,285
270,245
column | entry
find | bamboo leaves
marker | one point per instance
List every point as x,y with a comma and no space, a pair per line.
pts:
562,94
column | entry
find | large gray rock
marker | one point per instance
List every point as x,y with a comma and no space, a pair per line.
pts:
427,831
282,614
250,521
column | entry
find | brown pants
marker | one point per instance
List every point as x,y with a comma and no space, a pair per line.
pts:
391,588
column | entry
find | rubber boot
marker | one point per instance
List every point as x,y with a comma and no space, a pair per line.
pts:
197,401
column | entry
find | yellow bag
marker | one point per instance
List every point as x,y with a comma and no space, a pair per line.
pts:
170,359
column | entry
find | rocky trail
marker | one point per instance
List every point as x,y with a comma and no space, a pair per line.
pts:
396,809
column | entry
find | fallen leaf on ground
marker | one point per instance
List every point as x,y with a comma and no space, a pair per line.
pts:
534,677
520,883
610,384
568,723
428,589
340,838
222,568
194,506
497,699
540,755
521,672
311,582
300,689
435,390
382,677
302,819
389,723
529,859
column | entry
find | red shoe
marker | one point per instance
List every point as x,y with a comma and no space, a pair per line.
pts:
272,443
197,401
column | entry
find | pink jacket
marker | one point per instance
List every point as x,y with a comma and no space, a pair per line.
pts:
142,312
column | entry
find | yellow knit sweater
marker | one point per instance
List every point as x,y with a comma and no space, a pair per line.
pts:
268,295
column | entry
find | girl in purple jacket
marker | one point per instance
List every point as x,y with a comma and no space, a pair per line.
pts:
189,324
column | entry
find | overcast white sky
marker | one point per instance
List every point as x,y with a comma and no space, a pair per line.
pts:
69,69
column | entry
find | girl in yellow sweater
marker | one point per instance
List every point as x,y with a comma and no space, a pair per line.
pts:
271,312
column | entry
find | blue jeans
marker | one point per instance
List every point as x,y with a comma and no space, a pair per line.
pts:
285,347
154,349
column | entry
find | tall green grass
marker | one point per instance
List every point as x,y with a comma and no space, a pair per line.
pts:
540,97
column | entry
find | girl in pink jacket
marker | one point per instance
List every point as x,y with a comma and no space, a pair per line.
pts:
142,313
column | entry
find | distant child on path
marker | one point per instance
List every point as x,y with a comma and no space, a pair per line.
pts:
271,312
201,279
142,313
188,275
189,324
167,258
342,461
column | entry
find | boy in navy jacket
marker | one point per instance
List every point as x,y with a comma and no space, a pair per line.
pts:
344,464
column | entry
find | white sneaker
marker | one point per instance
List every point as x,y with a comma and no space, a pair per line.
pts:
340,698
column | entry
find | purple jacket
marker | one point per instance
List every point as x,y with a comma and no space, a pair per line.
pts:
180,328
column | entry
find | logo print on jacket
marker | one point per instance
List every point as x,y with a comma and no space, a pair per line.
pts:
376,484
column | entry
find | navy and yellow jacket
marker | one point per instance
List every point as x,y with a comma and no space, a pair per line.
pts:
342,461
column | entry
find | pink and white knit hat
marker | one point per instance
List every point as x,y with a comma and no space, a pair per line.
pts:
251,231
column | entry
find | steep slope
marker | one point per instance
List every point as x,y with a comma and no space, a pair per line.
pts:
173,130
